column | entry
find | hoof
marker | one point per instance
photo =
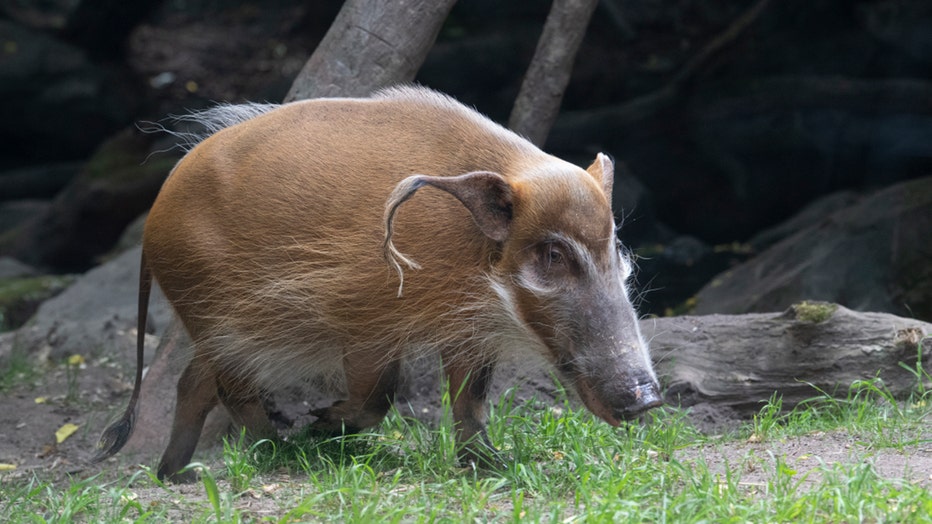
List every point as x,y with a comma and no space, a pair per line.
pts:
480,453
185,476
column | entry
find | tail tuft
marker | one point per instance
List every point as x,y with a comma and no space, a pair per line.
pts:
114,437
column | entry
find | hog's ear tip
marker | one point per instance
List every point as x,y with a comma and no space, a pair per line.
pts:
603,171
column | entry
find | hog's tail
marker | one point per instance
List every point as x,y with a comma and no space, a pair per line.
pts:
115,436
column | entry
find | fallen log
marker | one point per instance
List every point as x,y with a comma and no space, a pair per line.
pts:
740,361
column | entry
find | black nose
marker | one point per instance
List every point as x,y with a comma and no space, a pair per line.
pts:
646,397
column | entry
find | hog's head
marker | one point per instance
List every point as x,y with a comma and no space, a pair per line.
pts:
562,273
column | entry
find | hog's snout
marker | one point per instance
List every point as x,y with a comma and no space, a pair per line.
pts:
645,396
614,401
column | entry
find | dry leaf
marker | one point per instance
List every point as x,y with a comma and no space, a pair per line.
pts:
64,432
41,400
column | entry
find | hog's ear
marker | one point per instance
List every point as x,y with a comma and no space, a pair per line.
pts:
486,195
603,170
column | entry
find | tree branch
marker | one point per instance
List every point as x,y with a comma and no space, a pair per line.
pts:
542,90
371,45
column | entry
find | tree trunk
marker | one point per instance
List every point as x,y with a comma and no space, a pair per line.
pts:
542,90
739,361
371,45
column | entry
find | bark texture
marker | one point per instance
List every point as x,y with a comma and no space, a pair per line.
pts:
371,45
739,361
541,93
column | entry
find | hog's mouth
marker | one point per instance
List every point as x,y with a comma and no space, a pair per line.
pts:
586,392
644,397
593,403
623,405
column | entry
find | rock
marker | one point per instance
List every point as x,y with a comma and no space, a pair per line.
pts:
86,219
101,27
20,296
37,182
780,142
95,315
905,25
815,212
17,212
870,256
15,293
44,16
488,61
670,273
57,105
12,268
741,155
634,209
132,235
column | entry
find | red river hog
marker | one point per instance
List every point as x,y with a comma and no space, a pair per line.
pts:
337,237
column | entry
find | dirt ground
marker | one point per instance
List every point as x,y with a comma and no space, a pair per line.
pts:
91,392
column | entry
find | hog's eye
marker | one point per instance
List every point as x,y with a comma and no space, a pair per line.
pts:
553,265
555,255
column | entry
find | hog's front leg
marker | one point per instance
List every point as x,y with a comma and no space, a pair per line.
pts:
469,390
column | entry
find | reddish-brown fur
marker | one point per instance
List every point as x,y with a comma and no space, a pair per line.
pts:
298,244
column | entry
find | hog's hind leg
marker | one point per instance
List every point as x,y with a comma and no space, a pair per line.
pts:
371,391
242,399
197,395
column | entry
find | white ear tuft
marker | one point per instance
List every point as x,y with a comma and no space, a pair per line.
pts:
603,170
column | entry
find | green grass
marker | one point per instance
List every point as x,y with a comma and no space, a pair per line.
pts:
559,465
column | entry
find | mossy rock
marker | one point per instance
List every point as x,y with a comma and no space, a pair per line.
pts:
21,297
